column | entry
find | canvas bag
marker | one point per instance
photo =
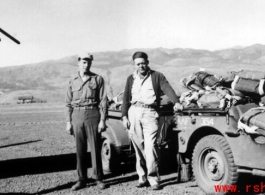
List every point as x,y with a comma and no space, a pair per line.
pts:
188,99
204,79
249,82
255,117
253,121
251,74
209,100
189,83
116,102
200,80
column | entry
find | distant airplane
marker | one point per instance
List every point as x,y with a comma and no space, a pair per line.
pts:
9,36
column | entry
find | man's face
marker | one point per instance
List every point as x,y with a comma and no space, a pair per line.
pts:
141,65
84,65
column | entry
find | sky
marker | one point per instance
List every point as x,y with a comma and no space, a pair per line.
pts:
53,29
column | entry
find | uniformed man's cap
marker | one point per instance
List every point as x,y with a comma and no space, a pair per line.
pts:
85,56
140,54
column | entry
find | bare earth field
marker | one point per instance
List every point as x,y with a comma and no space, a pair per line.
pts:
37,156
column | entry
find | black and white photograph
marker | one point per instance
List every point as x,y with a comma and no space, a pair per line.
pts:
132,97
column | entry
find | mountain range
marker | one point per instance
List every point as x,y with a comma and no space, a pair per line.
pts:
47,80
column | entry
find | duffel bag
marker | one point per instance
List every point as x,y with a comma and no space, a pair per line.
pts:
206,79
229,78
248,87
189,83
251,74
255,117
253,121
209,100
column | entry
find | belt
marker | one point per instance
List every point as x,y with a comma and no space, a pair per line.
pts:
144,105
85,108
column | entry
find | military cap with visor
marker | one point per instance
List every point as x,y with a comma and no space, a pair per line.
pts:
85,56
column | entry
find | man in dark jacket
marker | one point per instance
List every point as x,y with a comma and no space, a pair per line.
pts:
141,102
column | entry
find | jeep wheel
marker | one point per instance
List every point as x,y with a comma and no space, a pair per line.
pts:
213,164
110,153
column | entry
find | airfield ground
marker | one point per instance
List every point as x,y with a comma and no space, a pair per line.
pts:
37,156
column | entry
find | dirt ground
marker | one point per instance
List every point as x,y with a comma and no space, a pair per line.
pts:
37,156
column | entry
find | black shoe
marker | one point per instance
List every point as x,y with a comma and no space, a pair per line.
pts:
101,185
156,187
79,185
163,142
141,185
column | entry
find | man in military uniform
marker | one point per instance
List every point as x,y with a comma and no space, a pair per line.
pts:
86,109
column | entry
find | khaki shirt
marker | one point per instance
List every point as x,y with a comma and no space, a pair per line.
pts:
91,92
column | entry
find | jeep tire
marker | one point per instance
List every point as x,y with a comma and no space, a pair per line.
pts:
213,164
110,153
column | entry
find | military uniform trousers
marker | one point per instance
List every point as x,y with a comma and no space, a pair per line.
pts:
85,125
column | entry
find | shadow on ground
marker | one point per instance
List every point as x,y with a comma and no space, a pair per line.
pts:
15,193
38,165
50,164
69,185
168,162
17,144
66,162
47,164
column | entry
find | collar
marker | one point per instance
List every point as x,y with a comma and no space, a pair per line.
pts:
77,75
135,73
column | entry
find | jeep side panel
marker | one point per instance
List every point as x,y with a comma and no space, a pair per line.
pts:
246,152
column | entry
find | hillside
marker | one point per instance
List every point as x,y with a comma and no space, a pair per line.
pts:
48,79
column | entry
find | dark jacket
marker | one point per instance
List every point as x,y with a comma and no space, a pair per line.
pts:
160,84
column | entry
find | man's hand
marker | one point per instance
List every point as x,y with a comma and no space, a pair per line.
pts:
126,122
101,126
178,107
69,128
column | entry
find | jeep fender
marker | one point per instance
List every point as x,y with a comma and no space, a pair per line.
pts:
119,133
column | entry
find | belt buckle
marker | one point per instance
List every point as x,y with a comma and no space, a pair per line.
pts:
142,105
139,105
89,107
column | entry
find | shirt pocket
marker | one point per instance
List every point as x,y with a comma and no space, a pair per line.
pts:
77,92
91,90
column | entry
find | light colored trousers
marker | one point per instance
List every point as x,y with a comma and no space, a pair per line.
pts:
143,133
